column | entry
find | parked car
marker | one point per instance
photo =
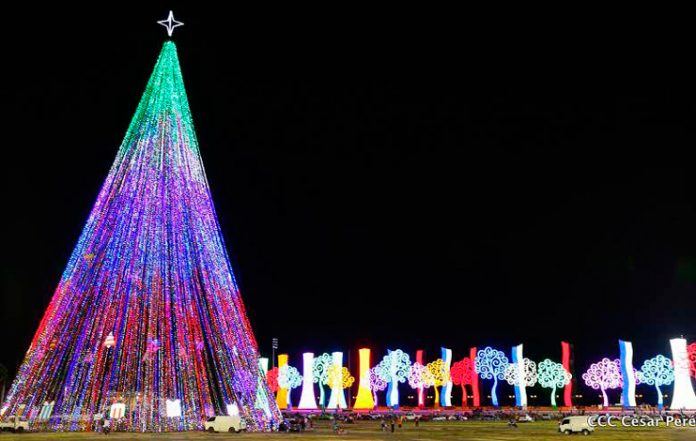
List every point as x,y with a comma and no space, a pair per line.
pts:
440,418
225,423
526,418
14,424
410,416
575,424
290,425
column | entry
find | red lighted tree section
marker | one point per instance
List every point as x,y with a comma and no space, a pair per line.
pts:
461,375
272,379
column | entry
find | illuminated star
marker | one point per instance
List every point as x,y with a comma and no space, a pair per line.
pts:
170,23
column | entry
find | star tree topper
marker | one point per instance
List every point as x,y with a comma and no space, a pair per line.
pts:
170,23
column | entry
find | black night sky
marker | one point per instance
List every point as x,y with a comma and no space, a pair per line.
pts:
378,183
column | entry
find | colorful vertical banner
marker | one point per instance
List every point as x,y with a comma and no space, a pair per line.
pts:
683,396
628,374
446,393
263,365
567,362
307,399
474,378
364,399
421,389
282,395
520,386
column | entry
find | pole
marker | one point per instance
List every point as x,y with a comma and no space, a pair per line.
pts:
274,343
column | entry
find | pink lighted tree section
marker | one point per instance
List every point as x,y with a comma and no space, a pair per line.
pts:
604,375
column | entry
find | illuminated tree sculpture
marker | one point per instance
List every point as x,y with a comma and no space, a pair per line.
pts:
604,375
440,376
320,372
394,369
420,378
691,350
289,378
522,378
377,382
657,371
490,365
338,378
151,269
462,374
553,375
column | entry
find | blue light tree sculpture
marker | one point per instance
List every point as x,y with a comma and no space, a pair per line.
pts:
490,365
394,369
657,371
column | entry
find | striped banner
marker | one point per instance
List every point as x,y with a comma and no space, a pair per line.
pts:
520,389
629,376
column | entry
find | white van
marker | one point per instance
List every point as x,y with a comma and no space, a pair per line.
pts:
575,424
225,424
14,424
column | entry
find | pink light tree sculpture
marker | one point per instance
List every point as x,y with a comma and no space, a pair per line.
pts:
603,375
691,350
420,378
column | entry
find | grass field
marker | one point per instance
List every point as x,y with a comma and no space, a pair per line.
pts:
428,431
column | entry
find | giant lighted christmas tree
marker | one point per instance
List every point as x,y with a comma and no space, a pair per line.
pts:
147,311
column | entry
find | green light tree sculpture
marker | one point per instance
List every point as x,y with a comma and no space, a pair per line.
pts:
553,375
